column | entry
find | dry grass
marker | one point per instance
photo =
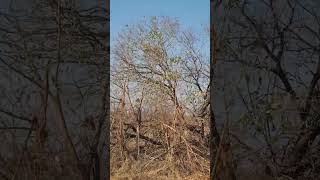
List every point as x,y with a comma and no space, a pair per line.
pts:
187,156
132,170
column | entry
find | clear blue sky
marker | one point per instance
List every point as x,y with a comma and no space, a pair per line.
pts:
193,14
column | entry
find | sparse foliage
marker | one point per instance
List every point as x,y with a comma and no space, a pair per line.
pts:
159,62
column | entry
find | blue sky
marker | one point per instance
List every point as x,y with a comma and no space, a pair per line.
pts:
193,14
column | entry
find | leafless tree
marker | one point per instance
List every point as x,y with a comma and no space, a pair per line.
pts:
53,71
274,45
164,67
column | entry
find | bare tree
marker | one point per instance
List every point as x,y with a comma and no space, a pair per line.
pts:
164,67
53,70
275,47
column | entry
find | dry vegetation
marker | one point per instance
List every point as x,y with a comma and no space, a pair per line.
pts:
262,121
159,112
264,107
53,74
266,77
